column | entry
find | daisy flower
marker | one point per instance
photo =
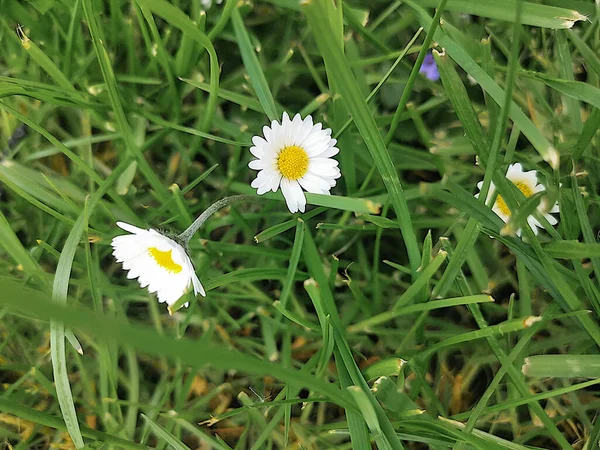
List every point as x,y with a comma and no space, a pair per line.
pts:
295,155
527,183
158,262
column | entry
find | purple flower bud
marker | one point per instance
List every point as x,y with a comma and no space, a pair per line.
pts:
429,68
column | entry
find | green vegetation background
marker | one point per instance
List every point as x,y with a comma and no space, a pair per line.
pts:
397,313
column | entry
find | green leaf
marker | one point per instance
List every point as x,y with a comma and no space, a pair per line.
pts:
564,366
43,6
59,296
10,406
252,65
177,18
173,442
358,205
318,16
366,324
194,353
462,58
111,86
572,250
534,14
574,89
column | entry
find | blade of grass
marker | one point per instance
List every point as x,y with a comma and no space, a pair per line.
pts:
173,442
429,306
422,280
294,259
536,15
253,68
565,65
414,73
317,14
111,85
9,406
195,353
175,17
590,127
510,359
59,296
572,249
566,366
359,435
529,399
351,204
462,58
344,358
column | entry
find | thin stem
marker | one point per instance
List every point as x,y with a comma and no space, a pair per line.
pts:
415,71
195,226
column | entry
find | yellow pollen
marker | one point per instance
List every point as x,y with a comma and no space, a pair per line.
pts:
292,162
503,207
165,260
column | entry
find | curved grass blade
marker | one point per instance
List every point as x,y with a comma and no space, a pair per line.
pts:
59,296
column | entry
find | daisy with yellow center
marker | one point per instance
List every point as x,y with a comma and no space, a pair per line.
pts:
527,183
295,155
158,262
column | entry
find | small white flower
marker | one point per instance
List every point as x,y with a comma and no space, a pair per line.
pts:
295,154
206,4
527,183
157,261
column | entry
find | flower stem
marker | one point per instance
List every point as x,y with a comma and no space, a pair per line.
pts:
186,236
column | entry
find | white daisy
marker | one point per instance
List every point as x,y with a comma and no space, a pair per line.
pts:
295,154
527,183
157,261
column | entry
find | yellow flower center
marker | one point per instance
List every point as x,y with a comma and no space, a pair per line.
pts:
165,260
292,162
503,207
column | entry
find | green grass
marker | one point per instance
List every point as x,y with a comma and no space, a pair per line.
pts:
398,313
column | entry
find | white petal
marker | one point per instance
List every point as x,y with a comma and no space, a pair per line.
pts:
327,162
257,182
314,184
257,164
275,181
327,152
267,133
316,143
257,152
130,228
293,195
259,142
198,288
323,168
298,195
551,219
262,186
534,224
514,170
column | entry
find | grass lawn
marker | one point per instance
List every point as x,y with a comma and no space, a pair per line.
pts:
445,295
